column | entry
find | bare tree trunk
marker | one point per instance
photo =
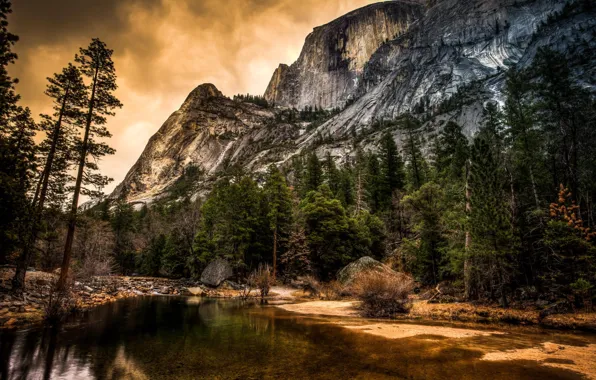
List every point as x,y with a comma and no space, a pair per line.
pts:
72,223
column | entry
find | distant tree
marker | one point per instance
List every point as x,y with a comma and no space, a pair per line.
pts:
331,174
392,168
97,65
451,152
122,222
374,184
412,150
314,173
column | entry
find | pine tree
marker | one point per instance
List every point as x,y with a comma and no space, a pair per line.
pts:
122,222
392,169
331,174
410,126
451,152
314,173
17,153
374,184
490,219
68,93
430,242
279,201
525,138
97,65
327,231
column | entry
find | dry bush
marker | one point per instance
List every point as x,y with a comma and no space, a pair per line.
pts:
59,304
247,288
311,285
383,294
262,279
333,291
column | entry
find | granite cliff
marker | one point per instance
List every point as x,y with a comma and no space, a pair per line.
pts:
373,64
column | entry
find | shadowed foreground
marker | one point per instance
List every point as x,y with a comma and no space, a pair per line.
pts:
169,337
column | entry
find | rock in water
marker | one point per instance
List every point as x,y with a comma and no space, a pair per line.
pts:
348,273
216,272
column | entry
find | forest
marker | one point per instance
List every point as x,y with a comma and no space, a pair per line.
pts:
505,214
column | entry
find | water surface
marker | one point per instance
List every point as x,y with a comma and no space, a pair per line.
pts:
194,338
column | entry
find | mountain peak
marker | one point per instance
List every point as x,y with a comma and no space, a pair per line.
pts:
202,92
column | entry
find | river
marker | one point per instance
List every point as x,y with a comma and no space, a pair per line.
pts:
197,338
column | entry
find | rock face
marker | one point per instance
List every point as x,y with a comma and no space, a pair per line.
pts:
331,64
208,131
216,272
383,60
364,264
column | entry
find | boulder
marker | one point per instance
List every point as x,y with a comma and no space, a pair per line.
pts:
216,272
348,273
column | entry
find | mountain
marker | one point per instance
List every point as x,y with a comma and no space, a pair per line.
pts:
441,60
331,64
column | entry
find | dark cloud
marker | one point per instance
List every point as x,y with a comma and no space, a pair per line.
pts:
162,50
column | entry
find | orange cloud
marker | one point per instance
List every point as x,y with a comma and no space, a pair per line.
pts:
163,49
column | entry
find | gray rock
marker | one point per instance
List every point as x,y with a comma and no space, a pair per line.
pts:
216,272
348,273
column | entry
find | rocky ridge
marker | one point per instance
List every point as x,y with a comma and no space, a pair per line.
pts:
444,49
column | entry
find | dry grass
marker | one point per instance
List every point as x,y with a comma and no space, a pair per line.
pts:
59,305
383,294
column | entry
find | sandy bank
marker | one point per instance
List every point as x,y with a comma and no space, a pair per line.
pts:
575,358
461,312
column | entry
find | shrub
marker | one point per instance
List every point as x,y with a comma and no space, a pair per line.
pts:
383,294
311,285
59,304
262,279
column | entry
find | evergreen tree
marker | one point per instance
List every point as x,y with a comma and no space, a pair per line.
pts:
67,92
416,167
524,136
314,173
392,169
429,245
451,152
374,184
327,229
122,222
17,156
490,219
279,202
332,174
97,65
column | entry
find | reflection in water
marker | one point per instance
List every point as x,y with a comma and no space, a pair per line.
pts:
166,337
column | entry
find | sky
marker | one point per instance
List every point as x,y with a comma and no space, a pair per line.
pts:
162,50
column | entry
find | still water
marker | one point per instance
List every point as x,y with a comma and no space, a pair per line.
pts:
194,338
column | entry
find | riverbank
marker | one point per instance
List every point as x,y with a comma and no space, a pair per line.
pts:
96,291
28,310
455,312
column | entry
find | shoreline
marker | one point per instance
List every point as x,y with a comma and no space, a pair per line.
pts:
97,291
